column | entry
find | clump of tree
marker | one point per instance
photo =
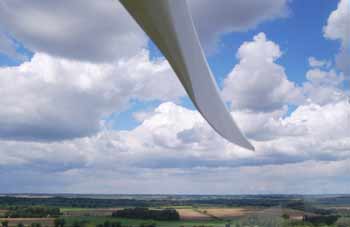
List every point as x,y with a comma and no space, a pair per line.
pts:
33,212
4,223
35,225
285,216
343,222
202,226
307,207
80,223
59,222
145,213
110,224
148,225
322,220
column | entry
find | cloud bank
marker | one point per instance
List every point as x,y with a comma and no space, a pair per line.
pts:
90,62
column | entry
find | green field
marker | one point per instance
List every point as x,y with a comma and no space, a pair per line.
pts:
74,209
93,221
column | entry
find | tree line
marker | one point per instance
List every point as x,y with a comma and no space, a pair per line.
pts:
259,201
145,213
32,212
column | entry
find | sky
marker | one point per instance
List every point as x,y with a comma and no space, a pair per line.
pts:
88,104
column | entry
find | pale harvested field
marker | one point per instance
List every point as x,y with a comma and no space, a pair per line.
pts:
29,221
190,214
227,212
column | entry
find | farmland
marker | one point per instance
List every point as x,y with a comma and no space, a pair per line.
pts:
215,211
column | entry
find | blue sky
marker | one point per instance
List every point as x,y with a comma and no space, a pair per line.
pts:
89,105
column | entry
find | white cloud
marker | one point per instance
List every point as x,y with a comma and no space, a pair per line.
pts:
313,62
52,98
342,60
257,83
338,28
172,144
264,126
321,77
324,87
162,141
214,19
311,177
103,31
80,29
154,152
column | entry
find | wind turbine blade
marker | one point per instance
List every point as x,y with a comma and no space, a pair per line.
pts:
169,24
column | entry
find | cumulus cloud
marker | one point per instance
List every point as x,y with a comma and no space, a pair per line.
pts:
53,106
323,87
214,19
52,98
338,28
318,76
160,149
103,31
257,83
342,61
313,177
313,62
81,29
173,136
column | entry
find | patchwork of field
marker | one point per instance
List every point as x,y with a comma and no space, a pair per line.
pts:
186,213
189,216
29,221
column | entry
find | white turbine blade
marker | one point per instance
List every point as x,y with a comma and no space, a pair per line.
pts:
170,25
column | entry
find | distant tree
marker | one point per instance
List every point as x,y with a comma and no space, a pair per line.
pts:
107,224
322,220
5,223
343,222
285,216
116,224
20,225
148,225
32,212
35,225
59,222
77,224
145,213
